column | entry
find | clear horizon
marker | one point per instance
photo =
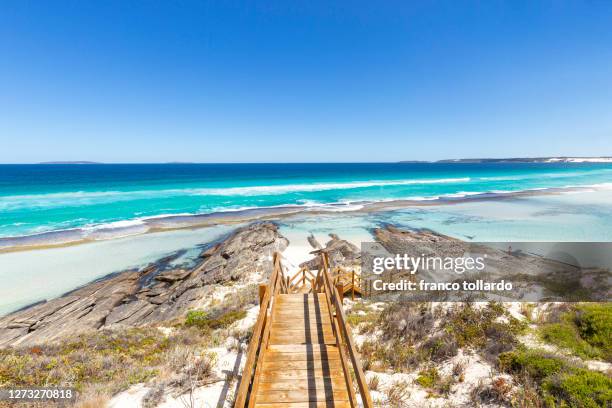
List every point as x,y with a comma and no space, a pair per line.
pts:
303,82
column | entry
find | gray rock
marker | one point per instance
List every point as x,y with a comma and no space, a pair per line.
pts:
121,300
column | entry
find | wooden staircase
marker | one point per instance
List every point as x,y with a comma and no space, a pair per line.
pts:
300,349
347,282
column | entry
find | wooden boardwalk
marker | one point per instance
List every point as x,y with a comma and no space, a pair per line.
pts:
298,354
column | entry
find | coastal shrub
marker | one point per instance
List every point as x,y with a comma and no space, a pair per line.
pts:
594,322
559,382
406,321
440,347
98,363
203,320
397,393
537,364
566,335
378,355
497,392
434,382
428,377
373,383
580,388
198,318
584,329
362,317
153,397
474,327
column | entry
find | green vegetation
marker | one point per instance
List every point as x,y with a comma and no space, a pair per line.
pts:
585,330
560,384
362,314
594,322
409,336
125,358
474,327
202,320
538,365
435,383
566,335
225,313
428,377
100,364
581,388
378,356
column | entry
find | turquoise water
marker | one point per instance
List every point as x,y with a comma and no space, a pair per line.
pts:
30,276
584,216
37,199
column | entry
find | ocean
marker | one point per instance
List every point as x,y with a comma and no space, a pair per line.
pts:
110,200
115,210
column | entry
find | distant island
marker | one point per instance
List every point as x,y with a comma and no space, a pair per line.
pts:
562,159
69,162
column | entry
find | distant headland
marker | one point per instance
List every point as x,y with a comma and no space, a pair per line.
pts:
69,162
561,159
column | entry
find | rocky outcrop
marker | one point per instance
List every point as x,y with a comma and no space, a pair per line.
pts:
340,252
534,277
144,296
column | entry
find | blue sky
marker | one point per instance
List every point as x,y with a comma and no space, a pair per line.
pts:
157,81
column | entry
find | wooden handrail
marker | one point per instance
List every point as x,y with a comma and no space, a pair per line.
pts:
254,349
346,334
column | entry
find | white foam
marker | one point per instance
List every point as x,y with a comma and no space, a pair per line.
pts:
73,198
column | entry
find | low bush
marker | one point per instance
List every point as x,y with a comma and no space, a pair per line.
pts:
584,329
594,322
475,327
559,383
428,377
103,362
580,388
566,335
440,347
537,364
203,320
397,393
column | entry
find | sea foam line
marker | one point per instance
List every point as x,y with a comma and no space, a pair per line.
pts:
78,197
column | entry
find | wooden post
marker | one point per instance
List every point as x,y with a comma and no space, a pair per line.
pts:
340,289
262,291
353,286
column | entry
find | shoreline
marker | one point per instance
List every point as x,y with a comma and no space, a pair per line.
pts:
154,224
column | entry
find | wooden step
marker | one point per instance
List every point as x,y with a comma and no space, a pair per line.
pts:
311,325
300,336
299,320
278,340
323,383
326,404
302,300
302,396
304,311
303,337
301,356
311,328
302,348
312,304
301,297
302,314
271,365
276,375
